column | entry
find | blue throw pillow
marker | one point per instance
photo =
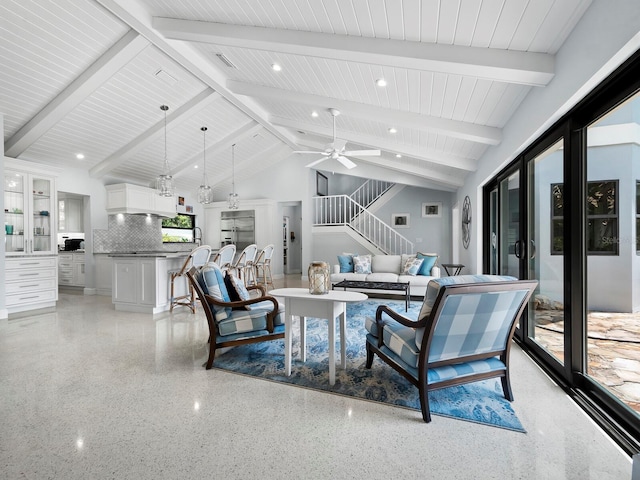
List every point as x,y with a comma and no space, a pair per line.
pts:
346,263
428,262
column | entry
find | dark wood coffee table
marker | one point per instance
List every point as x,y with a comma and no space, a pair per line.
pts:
404,287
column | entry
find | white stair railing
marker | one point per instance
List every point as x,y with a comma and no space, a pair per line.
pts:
370,191
337,210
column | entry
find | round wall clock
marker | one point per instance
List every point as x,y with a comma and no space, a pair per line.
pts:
466,221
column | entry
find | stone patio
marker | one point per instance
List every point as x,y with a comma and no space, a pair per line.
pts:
613,348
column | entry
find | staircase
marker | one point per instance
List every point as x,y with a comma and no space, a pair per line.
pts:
351,211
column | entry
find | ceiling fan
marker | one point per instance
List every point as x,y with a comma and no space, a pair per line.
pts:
336,149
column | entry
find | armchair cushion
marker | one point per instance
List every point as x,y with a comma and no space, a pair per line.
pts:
212,282
435,284
254,319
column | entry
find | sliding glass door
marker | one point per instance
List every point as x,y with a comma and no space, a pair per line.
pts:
566,212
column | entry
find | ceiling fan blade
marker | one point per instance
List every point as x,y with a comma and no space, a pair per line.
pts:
312,164
363,153
346,162
309,151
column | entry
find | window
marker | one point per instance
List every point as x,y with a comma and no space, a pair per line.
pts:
178,229
602,218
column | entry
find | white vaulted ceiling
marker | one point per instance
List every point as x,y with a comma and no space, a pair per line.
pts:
83,76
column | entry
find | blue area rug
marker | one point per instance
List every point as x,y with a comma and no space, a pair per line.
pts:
479,402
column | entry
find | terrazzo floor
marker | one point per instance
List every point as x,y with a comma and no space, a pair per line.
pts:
87,392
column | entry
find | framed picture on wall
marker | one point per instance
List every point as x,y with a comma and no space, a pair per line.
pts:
400,220
180,200
322,185
432,210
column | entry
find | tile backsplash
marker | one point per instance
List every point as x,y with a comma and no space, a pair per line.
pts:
134,233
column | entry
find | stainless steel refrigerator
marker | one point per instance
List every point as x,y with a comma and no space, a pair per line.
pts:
237,227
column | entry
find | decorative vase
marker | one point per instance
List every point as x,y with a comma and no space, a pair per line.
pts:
318,278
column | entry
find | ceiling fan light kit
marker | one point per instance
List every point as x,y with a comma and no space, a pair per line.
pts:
336,149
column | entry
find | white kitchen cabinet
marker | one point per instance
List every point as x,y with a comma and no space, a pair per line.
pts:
141,283
103,269
31,283
134,199
29,207
71,269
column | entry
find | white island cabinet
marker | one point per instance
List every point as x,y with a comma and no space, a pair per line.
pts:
140,282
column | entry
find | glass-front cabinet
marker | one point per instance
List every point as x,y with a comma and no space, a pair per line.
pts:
29,214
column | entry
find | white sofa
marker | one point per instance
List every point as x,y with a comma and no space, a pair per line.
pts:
388,268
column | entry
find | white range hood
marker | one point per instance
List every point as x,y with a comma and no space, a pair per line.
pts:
137,200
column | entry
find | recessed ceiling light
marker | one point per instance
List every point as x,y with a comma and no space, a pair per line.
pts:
392,130
381,82
314,114
398,155
276,67
195,166
80,156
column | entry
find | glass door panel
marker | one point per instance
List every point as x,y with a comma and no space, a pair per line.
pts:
544,250
14,212
41,212
613,255
509,226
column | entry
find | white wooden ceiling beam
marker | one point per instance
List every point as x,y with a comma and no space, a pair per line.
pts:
135,14
526,68
121,53
247,130
433,156
443,126
423,171
155,133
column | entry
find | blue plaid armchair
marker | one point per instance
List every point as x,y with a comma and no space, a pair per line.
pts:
234,316
463,333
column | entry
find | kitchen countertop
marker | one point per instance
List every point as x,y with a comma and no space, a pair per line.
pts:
149,254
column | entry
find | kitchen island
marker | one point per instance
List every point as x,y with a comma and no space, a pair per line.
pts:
140,280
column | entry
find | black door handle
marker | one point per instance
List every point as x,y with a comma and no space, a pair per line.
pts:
518,249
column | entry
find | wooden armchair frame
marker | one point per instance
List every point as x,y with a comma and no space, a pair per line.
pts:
429,323
218,341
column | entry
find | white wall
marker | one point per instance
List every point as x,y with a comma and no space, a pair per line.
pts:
607,34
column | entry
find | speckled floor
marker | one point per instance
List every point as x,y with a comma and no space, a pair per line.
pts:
91,393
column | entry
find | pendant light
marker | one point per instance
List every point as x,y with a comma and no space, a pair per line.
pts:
164,182
232,201
205,192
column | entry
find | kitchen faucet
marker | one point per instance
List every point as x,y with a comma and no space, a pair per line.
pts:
197,238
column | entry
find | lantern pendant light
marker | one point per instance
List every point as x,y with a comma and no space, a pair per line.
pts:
232,201
205,192
164,182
